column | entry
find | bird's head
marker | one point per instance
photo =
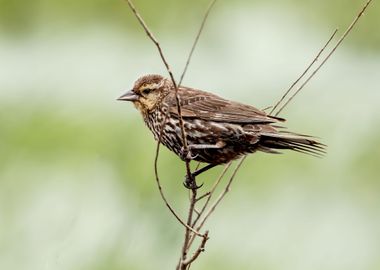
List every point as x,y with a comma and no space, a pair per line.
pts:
147,92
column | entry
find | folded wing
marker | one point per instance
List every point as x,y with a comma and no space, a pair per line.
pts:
210,107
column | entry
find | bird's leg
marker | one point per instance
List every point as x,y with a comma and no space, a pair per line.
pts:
190,181
202,170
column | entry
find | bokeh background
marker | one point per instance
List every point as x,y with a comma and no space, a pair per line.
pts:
77,186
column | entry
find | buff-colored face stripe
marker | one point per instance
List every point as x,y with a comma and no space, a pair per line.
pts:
149,86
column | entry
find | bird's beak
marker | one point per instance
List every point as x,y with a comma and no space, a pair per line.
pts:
129,96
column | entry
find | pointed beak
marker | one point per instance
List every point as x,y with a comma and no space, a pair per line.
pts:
129,96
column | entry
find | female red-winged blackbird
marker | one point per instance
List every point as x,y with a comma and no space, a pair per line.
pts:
217,130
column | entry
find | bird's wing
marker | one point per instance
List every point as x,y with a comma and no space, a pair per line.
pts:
210,107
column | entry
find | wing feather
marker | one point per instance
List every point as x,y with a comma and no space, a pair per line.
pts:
210,107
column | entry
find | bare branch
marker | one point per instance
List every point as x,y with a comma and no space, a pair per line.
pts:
218,200
211,192
221,196
200,249
152,37
196,41
348,30
196,211
183,263
189,222
184,142
159,182
208,195
304,73
193,199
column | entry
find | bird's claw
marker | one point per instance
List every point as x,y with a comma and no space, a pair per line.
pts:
186,154
190,183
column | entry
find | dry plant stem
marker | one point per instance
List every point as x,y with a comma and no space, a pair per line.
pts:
221,195
182,265
348,30
184,142
196,211
208,195
198,251
203,196
160,186
189,221
304,73
196,41
152,37
211,192
193,198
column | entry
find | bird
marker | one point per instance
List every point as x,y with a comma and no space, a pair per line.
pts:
217,130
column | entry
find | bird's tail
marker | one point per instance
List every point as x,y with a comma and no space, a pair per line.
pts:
272,142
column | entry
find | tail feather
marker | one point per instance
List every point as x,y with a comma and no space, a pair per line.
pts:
270,142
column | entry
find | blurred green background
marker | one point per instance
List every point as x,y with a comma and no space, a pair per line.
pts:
77,187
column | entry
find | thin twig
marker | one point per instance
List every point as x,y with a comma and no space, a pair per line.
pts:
304,73
188,229
211,192
348,30
196,41
219,199
152,37
160,186
189,222
203,196
193,198
184,142
221,196
198,251
196,211
208,195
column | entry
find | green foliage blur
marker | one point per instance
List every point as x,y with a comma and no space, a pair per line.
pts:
77,188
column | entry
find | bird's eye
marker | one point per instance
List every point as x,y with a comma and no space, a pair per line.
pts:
146,91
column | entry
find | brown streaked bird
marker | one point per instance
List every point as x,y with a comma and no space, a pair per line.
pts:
217,130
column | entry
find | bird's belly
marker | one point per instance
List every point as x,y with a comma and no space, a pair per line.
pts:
206,133
218,156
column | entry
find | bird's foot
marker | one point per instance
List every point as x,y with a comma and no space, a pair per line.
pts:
190,182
